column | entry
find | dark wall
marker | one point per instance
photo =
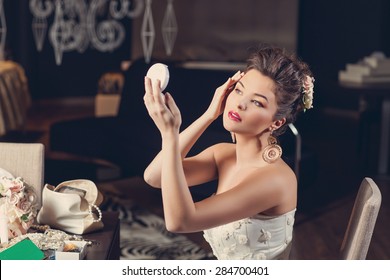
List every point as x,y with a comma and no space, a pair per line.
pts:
222,30
78,73
333,33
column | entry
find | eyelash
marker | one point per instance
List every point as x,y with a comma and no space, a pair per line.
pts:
257,103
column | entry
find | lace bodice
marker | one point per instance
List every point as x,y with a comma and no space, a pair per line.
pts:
257,237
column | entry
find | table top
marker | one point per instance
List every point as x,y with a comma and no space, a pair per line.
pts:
380,87
107,239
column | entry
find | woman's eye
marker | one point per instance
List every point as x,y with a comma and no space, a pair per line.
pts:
238,91
257,103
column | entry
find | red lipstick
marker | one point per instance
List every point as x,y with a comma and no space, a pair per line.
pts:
234,116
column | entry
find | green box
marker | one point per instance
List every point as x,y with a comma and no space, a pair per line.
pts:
23,250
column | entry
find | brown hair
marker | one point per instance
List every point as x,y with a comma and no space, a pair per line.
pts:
288,72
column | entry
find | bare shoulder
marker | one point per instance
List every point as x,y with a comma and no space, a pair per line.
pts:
282,184
224,147
280,175
276,180
223,151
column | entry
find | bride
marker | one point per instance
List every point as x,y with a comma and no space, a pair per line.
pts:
251,215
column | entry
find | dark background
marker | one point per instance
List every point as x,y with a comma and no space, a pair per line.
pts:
79,72
330,33
333,33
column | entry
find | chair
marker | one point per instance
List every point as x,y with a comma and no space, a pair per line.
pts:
25,160
299,157
362,221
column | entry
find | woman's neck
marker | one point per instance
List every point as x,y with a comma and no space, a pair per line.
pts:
249,151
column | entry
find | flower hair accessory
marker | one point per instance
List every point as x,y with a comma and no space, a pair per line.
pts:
308,90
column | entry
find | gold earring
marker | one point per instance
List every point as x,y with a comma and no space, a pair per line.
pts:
273,151
233,135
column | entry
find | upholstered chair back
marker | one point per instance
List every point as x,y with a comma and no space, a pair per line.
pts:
25,160
362,221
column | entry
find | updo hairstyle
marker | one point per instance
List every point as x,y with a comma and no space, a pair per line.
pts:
288,73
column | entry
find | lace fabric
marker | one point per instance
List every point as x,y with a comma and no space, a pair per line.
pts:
258,237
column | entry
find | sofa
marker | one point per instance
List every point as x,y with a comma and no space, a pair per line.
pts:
130,140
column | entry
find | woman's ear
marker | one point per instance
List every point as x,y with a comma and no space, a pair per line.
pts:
278,123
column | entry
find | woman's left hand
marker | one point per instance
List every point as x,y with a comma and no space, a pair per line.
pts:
161,108
217,104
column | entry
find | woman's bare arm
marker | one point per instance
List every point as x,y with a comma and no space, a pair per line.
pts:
202,166
258,192
187,139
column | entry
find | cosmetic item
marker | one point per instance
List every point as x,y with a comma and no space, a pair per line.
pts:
160,72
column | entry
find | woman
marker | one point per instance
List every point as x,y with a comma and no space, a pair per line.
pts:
251,215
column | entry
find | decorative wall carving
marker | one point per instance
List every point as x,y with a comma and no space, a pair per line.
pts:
78,24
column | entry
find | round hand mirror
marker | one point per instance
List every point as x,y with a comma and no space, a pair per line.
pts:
160,72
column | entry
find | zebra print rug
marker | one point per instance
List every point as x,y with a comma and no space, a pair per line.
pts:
143,235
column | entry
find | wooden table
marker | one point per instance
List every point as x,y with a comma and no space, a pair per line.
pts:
107,247
382,90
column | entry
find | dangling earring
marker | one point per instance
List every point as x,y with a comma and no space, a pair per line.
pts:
273,151
233,135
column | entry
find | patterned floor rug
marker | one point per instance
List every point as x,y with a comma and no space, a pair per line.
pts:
143,235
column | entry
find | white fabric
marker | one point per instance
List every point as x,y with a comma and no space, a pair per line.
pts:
257,237
70,212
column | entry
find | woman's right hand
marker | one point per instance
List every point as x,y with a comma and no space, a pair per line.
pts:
217,104
161,108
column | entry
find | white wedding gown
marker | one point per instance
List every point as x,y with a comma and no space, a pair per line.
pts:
258,237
